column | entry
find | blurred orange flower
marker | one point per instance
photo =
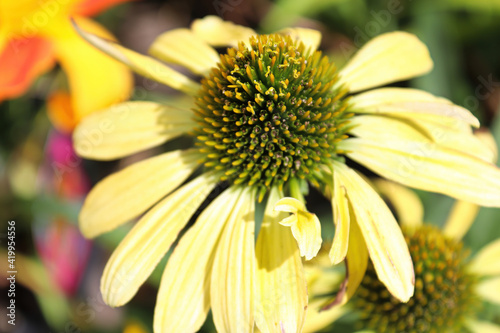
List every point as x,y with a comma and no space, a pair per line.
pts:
36,33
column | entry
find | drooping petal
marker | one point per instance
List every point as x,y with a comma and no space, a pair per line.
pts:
143,65
460,219
409,103
126,194
486,262
342,221
305,226
383,237
309,37
408,207
233,274
127,128
489,289
387,58
218,32
318,319
183,47
96,81
184,297
93,7
281,291
476,326
149,240
429,167
21,62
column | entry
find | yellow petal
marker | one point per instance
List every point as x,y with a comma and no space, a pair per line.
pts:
410,103
309,37
218,32
476,326
489,290
380,127
406,203
429,167
305,226
461,217
126,194
96,81
342,222
184,297
387,58
289,205
383,237
127,128
183,47
143,65
452,138
232,284
356,259
486,262
149,240
317,319
281,291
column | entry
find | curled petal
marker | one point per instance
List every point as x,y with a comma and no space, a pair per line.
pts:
306,228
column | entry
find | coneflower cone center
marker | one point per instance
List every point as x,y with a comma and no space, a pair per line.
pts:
443,296
270,112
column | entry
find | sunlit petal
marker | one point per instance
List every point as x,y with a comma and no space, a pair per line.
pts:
143,65
126,194
410,103
149,240
127,128
387,58
184,297
233,272
384,239
281,292
428,166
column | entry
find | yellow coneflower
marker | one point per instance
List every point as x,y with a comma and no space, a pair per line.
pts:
270,115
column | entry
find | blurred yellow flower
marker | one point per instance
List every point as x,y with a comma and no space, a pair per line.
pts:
34,34
269,113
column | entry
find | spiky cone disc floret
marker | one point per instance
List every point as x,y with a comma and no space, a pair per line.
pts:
270,113
443,296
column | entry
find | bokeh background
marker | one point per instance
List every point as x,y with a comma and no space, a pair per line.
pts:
42,185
